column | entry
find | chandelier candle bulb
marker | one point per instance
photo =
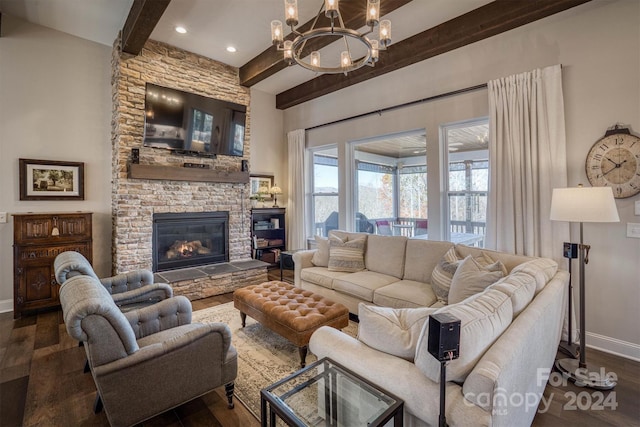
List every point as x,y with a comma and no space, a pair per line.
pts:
315,58
331,8
276,32
375,52
385,32
373,12
288,52
345,59
291,12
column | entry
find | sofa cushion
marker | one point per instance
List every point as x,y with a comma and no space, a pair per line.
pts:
445,269
385,254
392,330
443,274
421,258
320,276
483,318
405,294
346,256
520,287
362,284
471,278
509,260
542,269
321,255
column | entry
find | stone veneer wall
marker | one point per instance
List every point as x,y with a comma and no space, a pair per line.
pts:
135,200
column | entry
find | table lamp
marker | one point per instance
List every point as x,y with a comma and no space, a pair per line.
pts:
275,190
584,204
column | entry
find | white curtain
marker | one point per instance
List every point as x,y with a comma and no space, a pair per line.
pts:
527,160
296,238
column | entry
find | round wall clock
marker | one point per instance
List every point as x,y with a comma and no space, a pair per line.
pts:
614,161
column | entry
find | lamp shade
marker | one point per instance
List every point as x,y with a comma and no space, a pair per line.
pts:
275,190
584,204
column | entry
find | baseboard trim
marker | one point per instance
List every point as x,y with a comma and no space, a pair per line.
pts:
614,346
6,305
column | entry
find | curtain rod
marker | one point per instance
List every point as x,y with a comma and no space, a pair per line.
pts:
406,104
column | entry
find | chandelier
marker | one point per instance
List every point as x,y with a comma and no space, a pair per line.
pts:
293,49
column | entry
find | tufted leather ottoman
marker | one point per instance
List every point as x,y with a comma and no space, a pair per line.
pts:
289,311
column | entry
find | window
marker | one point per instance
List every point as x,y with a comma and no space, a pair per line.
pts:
467,181
413,192
325,191
376,190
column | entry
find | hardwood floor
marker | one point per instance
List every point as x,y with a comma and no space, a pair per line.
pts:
42,383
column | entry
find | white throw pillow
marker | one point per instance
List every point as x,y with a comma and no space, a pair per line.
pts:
482,320
321,255
443,273
347,256
392,330
471,278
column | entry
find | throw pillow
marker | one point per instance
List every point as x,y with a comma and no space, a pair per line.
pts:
347,256
321,256
443,274
482,320
471,278
393,331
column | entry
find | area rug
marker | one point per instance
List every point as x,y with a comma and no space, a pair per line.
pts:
264,357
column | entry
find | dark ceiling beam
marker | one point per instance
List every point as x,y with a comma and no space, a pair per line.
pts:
271,60
484,22
143,18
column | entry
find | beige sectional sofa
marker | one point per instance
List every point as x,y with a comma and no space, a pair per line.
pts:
509,334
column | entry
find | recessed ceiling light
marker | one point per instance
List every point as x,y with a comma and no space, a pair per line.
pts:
231,49
181,30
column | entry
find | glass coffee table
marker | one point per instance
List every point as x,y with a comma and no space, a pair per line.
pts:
328,394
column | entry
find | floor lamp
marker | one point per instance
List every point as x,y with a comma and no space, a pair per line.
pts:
584,204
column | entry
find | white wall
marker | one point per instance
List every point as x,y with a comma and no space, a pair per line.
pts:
598,45
55,104
268,141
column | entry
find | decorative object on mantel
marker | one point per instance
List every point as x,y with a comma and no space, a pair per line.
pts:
51,180
584,204
275,190
366,49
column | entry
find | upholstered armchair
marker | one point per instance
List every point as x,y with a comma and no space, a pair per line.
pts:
149,360
130,290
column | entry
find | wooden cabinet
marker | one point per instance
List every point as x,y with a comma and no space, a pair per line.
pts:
37,239
268,232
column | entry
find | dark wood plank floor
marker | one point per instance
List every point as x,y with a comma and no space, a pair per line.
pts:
42,383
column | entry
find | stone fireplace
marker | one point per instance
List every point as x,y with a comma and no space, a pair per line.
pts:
189,239
214,188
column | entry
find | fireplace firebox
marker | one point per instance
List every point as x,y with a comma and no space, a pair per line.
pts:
189,239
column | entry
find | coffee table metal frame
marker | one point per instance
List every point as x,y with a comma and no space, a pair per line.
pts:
278,407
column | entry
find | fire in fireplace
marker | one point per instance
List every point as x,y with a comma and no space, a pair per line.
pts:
189,239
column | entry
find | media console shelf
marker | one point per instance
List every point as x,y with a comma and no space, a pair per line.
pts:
173,173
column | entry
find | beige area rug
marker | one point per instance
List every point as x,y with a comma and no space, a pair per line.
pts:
264,357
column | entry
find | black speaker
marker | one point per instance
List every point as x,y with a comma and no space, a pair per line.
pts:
444,336
135,155
245,166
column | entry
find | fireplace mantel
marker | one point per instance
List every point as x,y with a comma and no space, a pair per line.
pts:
172,173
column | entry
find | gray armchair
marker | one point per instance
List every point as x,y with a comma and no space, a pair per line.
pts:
129,290
146,361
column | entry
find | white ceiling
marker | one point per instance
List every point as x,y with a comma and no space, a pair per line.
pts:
215,24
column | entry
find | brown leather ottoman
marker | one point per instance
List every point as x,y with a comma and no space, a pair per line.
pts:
289,311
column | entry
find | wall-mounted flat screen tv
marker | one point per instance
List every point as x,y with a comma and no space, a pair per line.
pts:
192,124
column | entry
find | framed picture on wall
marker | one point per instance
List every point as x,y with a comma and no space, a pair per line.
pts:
261,184
51,180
